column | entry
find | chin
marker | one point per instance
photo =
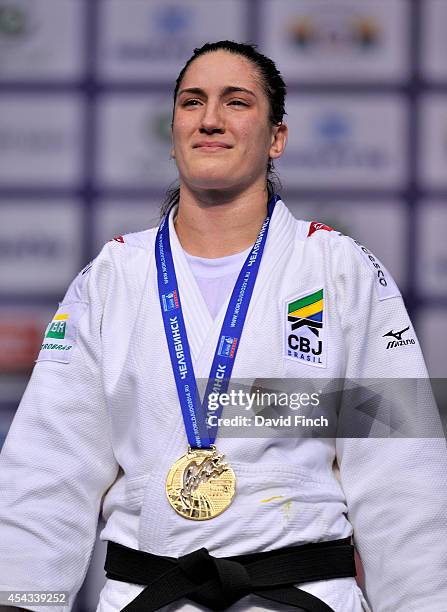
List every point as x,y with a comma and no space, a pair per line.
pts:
207,179
217,186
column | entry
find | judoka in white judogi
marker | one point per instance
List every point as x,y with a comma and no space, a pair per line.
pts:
100,426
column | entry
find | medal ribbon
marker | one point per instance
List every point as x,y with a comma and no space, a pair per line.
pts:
193,410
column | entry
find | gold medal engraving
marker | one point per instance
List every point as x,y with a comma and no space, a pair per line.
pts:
200,485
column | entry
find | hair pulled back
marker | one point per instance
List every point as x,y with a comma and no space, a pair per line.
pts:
274,88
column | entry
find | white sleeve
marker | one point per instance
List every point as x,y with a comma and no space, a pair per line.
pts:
57,460
396,486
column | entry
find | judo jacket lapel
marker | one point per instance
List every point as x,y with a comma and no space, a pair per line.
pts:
203,332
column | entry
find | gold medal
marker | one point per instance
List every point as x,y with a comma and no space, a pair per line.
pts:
200,485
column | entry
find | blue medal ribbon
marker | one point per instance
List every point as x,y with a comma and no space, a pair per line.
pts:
193,410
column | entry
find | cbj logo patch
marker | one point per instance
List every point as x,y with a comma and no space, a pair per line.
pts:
304,329
398,341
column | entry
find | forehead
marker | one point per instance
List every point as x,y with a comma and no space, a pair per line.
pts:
219,69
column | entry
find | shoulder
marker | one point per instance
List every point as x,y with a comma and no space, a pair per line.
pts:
118,256
136,240
128,247
307,229
348,256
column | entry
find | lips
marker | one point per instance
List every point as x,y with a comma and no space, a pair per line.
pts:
209,144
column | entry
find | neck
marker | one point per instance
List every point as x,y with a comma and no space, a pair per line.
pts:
216,224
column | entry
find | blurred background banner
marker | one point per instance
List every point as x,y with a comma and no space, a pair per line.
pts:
85,110
320,40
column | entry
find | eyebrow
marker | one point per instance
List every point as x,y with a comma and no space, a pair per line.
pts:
227,90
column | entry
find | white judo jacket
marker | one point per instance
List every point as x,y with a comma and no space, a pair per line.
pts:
100,425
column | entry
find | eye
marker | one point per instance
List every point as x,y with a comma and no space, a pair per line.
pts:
191,102
238,103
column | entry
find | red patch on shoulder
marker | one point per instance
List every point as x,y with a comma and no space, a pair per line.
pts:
119,239
316,225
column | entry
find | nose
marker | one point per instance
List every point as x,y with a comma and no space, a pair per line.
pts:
212,119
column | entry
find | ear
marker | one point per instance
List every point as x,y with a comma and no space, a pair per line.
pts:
279,140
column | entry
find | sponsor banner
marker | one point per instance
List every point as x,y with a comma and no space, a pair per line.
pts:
433,141
314,40
345,141
118,217
434,41
135,141
432,333
40,246
21,333
41,40
382,226
432,259
151,41
40,140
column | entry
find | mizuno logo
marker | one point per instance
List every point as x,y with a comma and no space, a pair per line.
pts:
398,338
397,335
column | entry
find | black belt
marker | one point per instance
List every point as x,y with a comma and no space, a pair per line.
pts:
217,583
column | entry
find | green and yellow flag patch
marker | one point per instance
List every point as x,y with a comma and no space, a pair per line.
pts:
305,337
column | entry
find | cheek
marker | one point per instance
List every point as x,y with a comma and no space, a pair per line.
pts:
181,129
256,142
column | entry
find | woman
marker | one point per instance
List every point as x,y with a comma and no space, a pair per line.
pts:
229,278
